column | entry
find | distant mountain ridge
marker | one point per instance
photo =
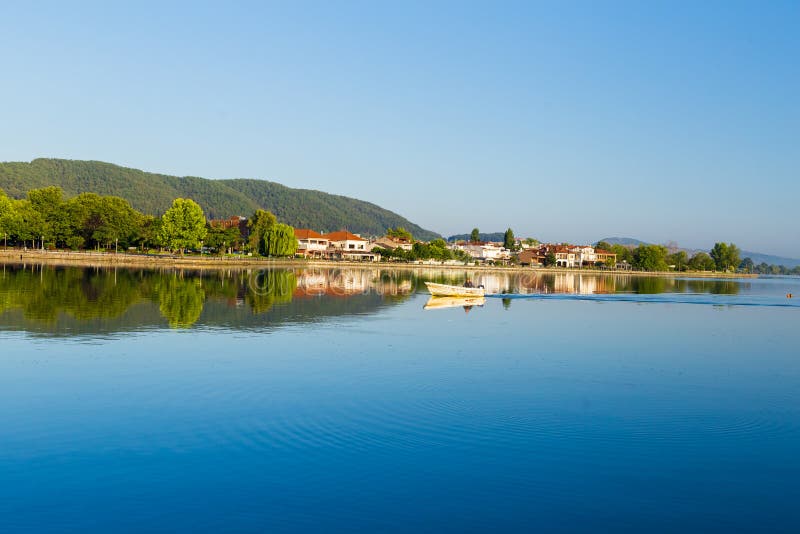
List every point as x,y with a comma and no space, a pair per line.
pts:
492,236
757,257
153,193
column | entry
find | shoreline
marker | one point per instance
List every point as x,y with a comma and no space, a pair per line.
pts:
110,259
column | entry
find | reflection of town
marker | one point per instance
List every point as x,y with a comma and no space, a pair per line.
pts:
63,299
581,284
346,282
547,283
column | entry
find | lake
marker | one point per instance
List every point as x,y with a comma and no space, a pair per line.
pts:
330,400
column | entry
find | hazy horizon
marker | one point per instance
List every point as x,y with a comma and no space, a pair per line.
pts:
658,121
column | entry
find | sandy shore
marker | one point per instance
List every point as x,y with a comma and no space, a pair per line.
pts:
101,259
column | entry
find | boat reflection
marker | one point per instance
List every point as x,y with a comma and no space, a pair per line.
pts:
437,303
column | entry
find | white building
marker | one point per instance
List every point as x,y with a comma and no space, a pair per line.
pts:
310,243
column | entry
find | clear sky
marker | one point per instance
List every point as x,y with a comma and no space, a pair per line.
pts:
567,121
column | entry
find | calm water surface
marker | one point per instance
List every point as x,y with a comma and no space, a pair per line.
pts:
139,401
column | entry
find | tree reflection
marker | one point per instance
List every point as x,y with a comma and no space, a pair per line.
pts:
267,288
181,300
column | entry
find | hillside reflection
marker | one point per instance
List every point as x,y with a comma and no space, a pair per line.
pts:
65,300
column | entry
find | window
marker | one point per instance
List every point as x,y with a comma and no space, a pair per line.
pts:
352,245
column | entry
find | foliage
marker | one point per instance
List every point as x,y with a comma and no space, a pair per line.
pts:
508,240
399,233
435,250
259,224
280,241
183,225
747,265
549,259
726,256
475,235
624,254
679,259
701,262
222,239
650,258
269,237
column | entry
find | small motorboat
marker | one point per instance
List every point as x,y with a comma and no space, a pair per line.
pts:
436,303
444,290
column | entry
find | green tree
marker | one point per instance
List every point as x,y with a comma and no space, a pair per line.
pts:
100,221
549,259
6,215
150,234
27,224
508,240
701,262
260,223
49,204
475,236
183,225
279,240
603,245
726,256
679,259
650,258
624,254
399,233
747,265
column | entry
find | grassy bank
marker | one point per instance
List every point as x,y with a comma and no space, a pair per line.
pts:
101,259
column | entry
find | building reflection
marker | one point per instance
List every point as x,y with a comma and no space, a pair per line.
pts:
47,295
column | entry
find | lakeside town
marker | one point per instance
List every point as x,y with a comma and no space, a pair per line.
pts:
46,221
398,245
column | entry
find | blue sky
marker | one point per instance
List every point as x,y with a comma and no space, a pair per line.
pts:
565,121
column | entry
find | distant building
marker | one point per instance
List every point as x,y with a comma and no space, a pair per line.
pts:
569,256
237,221
484,251
392,243
347,246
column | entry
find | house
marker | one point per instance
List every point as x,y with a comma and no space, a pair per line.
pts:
347,246
392,243
311,244
530,257
569,256
484,251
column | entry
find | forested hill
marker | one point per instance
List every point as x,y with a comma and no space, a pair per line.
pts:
153,193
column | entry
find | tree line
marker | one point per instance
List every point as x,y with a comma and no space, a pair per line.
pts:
723,257
47,220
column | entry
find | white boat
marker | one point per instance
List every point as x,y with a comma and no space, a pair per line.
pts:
435,303
444,290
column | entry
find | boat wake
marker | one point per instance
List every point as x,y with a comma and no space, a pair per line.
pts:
663,298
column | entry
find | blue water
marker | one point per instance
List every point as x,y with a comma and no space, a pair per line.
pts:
667,412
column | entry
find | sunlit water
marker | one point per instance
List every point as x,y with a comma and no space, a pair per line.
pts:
135,401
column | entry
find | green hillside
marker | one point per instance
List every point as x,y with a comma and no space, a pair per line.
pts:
153,193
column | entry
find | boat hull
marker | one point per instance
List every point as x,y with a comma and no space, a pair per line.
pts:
444,290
